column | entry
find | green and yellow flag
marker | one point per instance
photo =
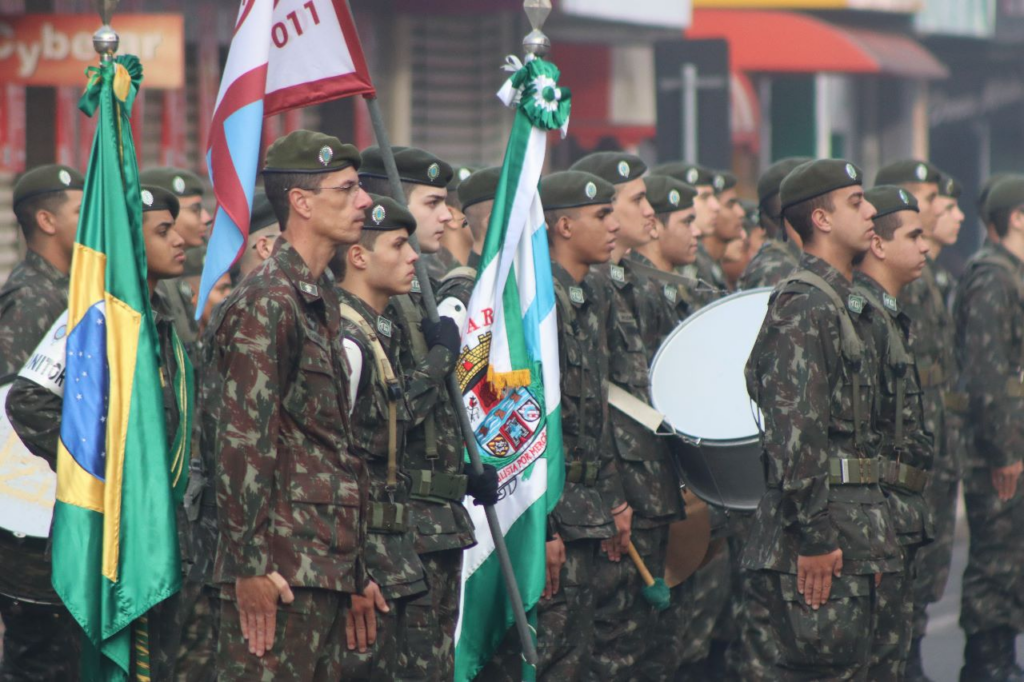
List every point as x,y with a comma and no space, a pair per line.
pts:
115,547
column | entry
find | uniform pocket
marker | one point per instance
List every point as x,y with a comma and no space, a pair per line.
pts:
864,530
325,512
835,635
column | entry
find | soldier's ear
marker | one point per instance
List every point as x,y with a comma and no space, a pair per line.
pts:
357,257
821,219
877,247
46,222
563,228
298,199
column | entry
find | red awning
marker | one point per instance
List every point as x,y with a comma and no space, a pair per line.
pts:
790,42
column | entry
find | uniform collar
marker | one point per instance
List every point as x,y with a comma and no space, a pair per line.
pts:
382,324
835,279
45,268
1000,249
295,269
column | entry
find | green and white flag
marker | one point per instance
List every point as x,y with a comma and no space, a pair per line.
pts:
508,373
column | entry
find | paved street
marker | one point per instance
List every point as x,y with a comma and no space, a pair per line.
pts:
943,648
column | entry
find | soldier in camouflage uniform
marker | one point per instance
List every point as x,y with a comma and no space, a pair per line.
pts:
40,636
822,536
381,265
581,232
989,317
896,258
35,411
434,451
637,320
705,268
779,256
932,347
728,233
192,224
457,240
291,493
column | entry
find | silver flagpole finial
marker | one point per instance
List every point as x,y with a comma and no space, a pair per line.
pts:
537,11
105,40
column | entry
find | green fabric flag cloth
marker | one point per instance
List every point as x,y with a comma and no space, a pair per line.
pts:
115,544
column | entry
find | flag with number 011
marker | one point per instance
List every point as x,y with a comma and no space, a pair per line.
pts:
284,54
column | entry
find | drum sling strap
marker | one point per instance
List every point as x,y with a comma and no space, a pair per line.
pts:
584,473
687,284
845,470
1014,385
461,272
385,517
414,318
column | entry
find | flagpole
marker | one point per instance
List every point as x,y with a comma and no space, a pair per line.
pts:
535,41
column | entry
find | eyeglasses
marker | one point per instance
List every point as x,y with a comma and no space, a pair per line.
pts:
347,188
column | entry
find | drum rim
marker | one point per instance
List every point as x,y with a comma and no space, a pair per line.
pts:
650,371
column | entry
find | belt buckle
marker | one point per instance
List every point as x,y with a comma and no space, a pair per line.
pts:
844,470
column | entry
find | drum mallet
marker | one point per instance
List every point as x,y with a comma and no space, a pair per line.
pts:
655,590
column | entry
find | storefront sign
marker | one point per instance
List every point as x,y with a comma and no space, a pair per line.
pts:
55,49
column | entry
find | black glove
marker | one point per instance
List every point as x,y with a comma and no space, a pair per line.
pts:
444,332
482,487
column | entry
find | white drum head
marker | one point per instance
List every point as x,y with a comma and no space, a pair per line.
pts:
28,486
697,375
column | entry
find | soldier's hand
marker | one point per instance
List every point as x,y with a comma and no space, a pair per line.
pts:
257,611
444,332
617,546
361,623
482,487
555,553
1004,479
814,576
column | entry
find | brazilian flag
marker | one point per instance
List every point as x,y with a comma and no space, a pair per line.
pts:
115,547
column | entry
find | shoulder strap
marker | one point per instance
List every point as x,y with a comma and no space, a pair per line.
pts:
413,318
853,347
461,272
391,389
900,357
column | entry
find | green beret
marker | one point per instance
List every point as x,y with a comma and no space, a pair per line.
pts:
459,174
889,199
46,179
1007,194
986,187
262,212
158,199
385,214
668,195
415,166
907,170
573,188
690,173
813,178
769,182
178,180
723,180
950,187
306,151
615,167
194,259
480,186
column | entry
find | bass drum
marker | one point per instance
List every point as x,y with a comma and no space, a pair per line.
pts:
697,382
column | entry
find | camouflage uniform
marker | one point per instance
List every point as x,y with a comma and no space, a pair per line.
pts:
929,310
773,262
291,495
440,263
813,380
679,293
434,460
40,636
177,297
709,275
909,448
35,414
989,314
624,621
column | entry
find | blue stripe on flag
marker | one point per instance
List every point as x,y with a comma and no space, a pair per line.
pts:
544,301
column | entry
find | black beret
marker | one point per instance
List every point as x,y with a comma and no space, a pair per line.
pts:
460,173
614,167
480,186
667,194
181,182
723,180
813,178
415,166
771,179
986,187
889,199
690,173
385,214
306,151
262,212
1006,194
907,170
572,189
159,199
46,179
950,187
